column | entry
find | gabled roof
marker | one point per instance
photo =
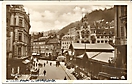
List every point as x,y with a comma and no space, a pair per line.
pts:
52,41
100,56
92,46
80,56
92,54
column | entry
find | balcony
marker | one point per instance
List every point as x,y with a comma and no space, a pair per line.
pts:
20,43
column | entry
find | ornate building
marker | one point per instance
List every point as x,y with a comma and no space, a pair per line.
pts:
18,37
121,35
120,56
18,45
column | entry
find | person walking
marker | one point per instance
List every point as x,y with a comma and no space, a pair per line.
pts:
65,78
44,64
50,63
44,72
16,77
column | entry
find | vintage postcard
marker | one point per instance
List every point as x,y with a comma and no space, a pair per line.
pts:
69,42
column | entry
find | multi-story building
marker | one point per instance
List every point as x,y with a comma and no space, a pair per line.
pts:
18,39
104,31
105,35
41,48
66,41
18,26
46,47
121,35
120,55
83,33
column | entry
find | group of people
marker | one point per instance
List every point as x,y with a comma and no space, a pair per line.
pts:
47,63
44,72
57,63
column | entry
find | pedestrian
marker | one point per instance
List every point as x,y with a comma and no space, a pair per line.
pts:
44,72
65,78
50,63
56,64
47,62
44,64
16,77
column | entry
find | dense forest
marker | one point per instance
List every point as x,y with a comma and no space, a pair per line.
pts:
106,14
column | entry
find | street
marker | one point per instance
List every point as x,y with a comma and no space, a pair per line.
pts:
52,72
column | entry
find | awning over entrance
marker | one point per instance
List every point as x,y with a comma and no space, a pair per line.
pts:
26,61
34,53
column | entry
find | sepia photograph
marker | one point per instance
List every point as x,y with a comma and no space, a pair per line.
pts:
66,42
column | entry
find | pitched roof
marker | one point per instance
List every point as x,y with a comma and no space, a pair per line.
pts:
92,46
104,56
92,54
54,40
80,56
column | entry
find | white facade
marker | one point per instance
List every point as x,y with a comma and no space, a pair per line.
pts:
105,39
66,41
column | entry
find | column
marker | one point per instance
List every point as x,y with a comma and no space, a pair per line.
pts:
22,50
18,69
22,37
16,35
11,45
11,40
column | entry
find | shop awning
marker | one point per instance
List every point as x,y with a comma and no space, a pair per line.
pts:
26,61
34,53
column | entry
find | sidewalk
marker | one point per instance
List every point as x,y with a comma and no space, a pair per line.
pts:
68,72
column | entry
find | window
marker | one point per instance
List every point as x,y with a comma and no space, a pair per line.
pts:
106,41
14,21
20,37
19,51
20,22
102,41
122,31
98,41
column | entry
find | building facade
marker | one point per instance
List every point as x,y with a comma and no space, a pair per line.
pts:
66,41
40,47
120,55
18,40
121,35
18,37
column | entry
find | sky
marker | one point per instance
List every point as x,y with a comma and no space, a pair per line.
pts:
50,17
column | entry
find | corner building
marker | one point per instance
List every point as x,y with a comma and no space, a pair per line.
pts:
18,26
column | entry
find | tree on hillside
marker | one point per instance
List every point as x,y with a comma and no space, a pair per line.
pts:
61,35
93,39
